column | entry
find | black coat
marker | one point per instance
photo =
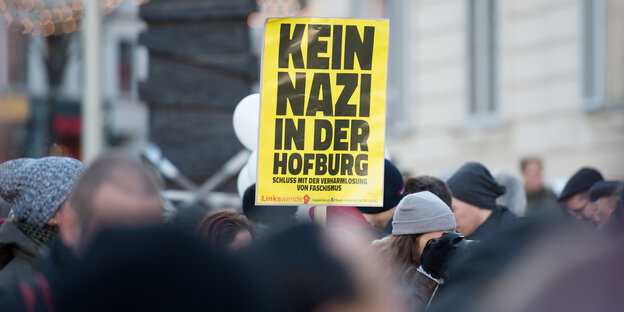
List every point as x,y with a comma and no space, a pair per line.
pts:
501,218
42,282
18,254
615,224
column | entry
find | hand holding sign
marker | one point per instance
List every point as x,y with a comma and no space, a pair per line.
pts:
245,120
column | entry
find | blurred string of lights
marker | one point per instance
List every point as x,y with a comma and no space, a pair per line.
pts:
50,17
275,8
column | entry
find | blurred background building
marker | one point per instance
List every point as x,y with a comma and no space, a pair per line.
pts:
494,81
41,77
482,80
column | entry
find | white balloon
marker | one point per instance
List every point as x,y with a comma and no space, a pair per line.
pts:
252,166
246,120
243,181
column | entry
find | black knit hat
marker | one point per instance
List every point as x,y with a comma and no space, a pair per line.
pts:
393,189
473,184
581,181
274,215
603,189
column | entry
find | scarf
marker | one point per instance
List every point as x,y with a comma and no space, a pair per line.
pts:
41,236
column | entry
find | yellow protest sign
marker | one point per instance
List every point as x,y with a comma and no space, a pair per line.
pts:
322,115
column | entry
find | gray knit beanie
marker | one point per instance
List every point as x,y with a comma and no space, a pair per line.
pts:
36,188
422,212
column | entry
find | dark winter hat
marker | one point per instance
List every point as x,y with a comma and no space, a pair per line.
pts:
603,189
274,215
473,184
393,189
36,188
249,201
581,181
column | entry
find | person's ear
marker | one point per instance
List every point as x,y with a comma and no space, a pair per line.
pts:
55,220
69,226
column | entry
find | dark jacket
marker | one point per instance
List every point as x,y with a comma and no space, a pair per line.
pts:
18,254
615,224
541,200
499,219
38,291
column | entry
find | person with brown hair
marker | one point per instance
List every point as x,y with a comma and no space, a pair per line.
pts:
225,230
431,184
419,266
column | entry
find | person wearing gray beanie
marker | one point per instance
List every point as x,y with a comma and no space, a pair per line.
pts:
35,189
418,227
422,212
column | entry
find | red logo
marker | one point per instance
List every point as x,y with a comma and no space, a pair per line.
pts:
306,199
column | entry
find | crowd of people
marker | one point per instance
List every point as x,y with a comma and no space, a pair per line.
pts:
95,238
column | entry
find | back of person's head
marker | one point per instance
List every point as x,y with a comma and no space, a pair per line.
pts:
431,184
614,196
394,188
151,269
116,190
36,188
515,197
605,189
293,271
225,230
304,268
276,216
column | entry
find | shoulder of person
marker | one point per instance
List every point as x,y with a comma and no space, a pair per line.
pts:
380,242
507,216
13,271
